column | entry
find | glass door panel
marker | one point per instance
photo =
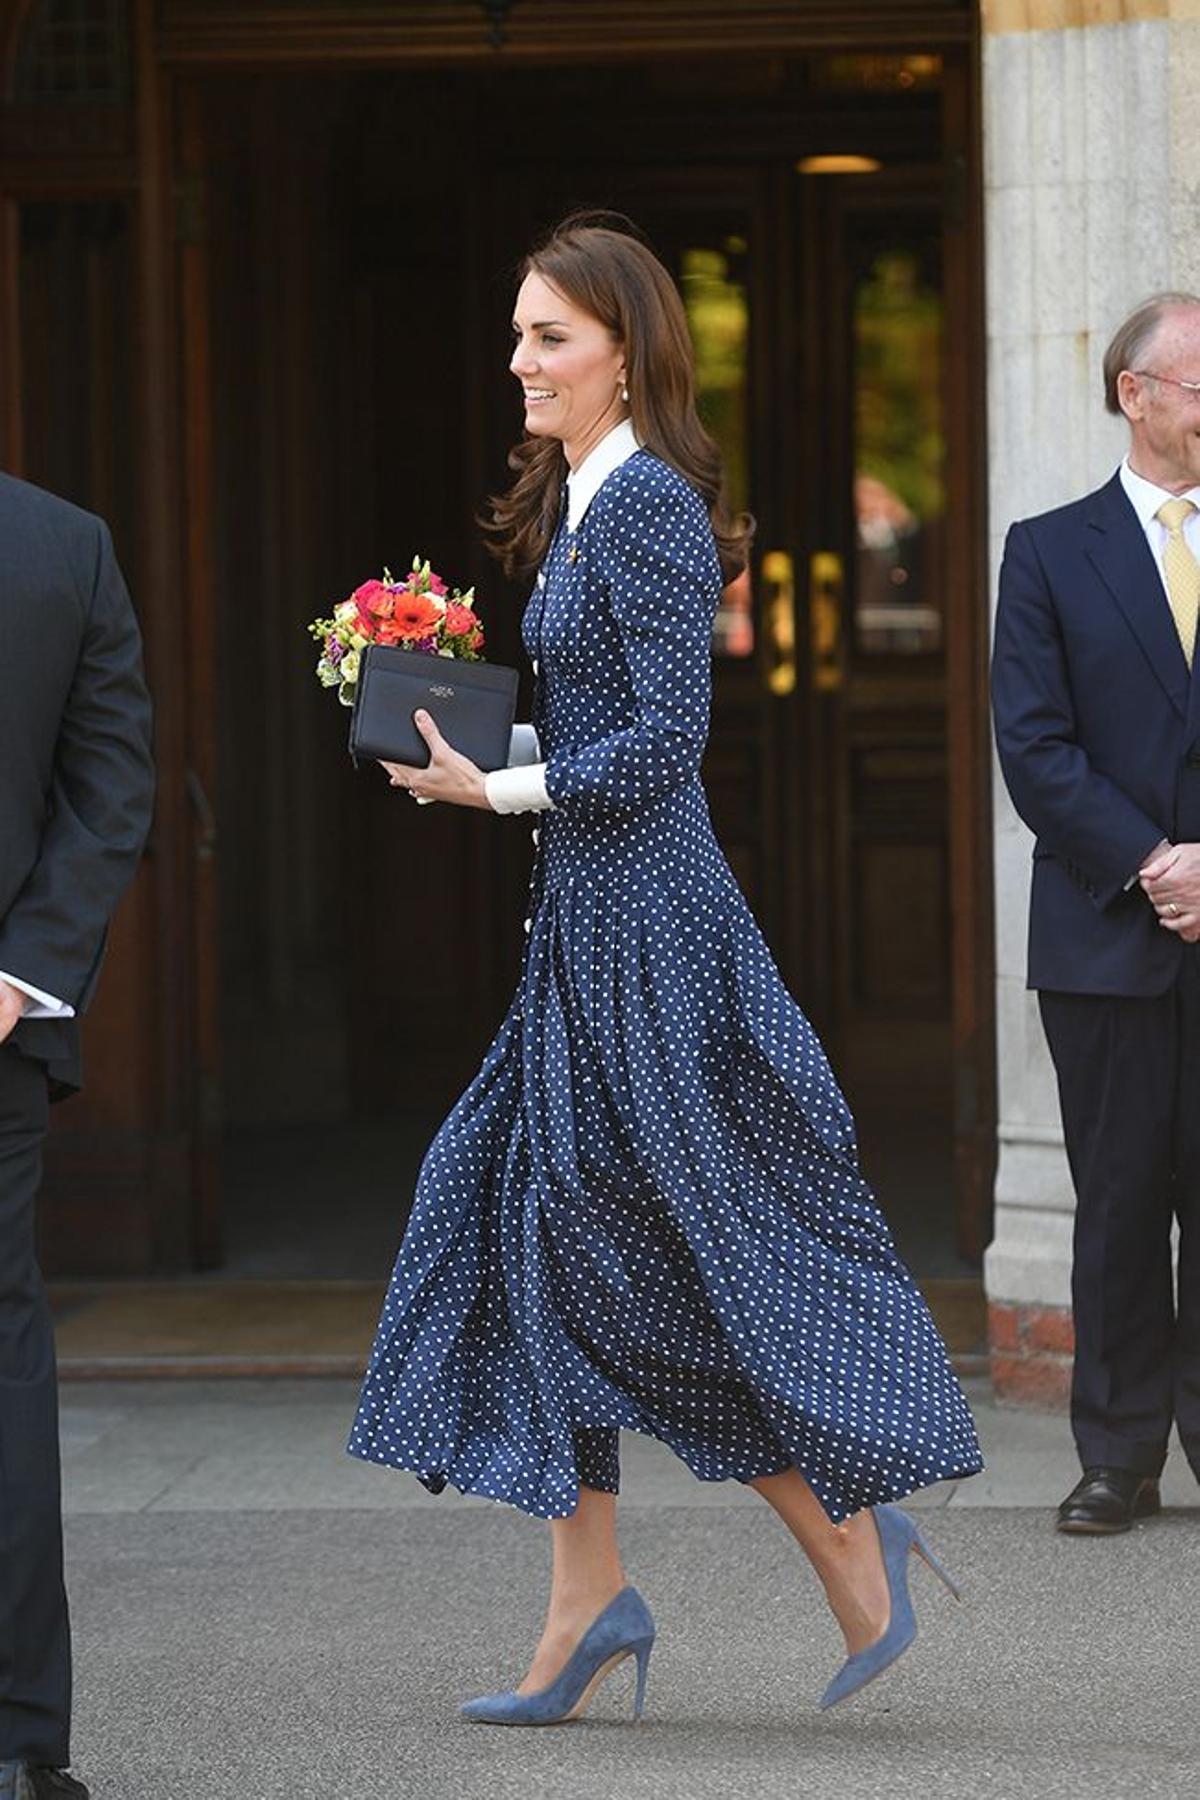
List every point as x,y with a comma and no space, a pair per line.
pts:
714,281
899,444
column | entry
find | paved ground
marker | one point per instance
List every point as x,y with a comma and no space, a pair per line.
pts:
260,1618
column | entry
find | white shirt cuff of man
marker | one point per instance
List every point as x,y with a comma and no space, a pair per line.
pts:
43,1006
518,790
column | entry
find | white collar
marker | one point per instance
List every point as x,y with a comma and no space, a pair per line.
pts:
583,483
1146,498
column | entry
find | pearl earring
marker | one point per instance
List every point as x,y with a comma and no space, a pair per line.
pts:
624,393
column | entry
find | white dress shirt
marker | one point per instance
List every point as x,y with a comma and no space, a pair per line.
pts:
42,1005
1146,499
514,790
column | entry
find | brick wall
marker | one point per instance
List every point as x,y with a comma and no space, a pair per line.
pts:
1032,1348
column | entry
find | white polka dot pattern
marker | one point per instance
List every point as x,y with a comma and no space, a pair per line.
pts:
646,1210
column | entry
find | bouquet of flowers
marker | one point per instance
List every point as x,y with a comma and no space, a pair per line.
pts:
418,613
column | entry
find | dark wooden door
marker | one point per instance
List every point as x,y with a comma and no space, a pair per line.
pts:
871,536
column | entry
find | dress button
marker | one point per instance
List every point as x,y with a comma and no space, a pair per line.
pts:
535,665
536,835
529,924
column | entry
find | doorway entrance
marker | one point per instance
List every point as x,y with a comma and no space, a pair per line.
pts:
347,257
258,316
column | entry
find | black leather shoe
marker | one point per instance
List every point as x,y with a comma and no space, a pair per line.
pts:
25,1781
1108,1500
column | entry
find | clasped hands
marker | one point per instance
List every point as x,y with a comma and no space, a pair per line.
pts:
1170,879
450,776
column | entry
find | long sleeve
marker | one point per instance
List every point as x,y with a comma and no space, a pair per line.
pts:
663,574
99,804
1081,815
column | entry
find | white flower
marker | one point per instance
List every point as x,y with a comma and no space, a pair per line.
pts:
348,667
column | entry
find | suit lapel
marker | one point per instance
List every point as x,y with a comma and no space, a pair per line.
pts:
1116,546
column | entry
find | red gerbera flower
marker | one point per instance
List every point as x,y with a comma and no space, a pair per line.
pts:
415,616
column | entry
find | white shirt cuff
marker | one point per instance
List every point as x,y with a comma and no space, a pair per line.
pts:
518,790
44,1006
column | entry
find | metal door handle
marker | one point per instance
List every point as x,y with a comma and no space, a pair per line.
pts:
779,621
826,601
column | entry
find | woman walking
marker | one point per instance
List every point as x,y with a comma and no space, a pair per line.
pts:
646,1209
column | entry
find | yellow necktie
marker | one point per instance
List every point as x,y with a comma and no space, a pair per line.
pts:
1182,571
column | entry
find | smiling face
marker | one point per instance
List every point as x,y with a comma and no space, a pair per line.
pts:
1164,421
570,368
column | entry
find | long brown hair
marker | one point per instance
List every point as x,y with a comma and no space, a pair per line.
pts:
596,261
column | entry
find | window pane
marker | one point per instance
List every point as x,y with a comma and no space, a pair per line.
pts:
899,490
717,303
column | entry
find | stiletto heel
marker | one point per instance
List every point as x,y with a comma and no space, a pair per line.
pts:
926,1554
897,1537
642,1653
625,1628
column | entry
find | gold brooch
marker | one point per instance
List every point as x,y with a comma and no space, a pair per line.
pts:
573,554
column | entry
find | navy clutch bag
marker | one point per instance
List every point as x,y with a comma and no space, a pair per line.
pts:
474,704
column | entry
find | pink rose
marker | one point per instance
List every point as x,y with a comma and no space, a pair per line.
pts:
460,620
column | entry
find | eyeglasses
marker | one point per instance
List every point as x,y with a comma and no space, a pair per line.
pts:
1189,387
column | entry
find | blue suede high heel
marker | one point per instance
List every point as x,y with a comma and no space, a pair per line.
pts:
897,1536
624,1628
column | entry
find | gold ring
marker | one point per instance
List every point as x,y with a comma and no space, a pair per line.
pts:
1174,910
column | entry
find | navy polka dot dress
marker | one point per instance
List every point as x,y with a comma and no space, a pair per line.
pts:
646,1209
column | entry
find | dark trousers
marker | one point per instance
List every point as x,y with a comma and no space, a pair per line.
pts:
35,1656
1129,1081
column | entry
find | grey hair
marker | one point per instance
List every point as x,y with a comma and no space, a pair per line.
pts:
1133,339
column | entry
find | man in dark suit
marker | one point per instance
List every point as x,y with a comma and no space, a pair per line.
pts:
1097,708
76,787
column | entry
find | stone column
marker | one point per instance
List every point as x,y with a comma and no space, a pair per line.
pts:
1092,176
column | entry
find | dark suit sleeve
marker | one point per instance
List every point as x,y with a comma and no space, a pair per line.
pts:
99,808
1083,817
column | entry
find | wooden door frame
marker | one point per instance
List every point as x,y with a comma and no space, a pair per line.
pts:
968,650
199,33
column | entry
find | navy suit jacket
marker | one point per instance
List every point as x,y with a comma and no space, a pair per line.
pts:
76,780
1098,729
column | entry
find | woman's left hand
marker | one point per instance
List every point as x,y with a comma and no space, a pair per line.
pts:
449,777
